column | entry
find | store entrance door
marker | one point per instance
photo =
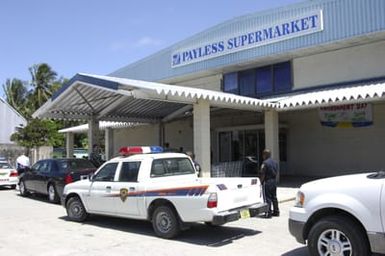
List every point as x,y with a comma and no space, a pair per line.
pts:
238,144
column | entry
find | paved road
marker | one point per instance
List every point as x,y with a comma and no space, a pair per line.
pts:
32,226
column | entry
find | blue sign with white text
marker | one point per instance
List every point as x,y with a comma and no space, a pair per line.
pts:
295,27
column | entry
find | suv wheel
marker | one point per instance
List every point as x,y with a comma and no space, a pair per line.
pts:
75,210
337,235
165,222
52,195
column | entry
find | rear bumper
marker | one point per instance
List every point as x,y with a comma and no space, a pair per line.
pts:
11,181
296,230
235,215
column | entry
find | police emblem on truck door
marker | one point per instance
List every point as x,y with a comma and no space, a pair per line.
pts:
123,194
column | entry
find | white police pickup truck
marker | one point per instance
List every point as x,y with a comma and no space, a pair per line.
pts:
342,215
164,189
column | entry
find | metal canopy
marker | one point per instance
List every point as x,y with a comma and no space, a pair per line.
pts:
356,93
118,99
124,100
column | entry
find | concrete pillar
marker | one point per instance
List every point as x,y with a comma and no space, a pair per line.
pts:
202,147
161,134
69,145
272,134
109,143
93,133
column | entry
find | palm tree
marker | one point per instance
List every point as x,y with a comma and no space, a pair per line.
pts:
16,94
43,78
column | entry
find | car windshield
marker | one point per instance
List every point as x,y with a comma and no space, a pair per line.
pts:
5,166
74,164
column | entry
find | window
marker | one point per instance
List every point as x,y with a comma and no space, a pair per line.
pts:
5,166
259,82
74,164
282,77
44,167
171,166
129,172
230,83
107,173
247,83
264,80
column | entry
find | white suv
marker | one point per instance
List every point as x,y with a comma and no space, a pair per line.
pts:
342,215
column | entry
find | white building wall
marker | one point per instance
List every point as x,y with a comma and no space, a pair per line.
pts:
179,134
348,64
143,135
9,120
209,82
314,150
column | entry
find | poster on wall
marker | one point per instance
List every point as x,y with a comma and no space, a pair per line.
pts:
344,116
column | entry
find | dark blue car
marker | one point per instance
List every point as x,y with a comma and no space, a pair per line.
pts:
49,176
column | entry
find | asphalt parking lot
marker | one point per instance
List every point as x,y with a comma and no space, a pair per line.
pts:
32,226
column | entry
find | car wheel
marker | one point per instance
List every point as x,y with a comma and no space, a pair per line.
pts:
165,222
22,189
52,194
337,235
75,210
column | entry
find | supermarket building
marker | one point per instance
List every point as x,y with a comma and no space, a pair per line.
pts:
306,81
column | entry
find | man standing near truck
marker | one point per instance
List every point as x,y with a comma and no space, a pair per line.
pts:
268,174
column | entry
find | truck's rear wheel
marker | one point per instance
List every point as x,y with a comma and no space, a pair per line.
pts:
337,235
165,222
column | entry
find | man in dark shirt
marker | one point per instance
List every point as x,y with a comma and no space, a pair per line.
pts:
95,157
268,174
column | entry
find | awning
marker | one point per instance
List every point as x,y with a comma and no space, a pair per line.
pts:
118,99
358,93
124,100
103,125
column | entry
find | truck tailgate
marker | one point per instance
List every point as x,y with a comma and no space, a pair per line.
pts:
236,192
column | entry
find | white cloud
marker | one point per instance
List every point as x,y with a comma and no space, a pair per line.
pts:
126,44
148,41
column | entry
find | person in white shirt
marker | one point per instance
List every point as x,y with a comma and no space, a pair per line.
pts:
22,163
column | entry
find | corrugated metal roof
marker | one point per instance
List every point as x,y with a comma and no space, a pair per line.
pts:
326,97
118,99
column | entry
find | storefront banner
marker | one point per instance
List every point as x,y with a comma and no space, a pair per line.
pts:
351,115
250,37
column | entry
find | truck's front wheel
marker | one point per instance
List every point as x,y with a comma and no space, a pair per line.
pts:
75,210
337,235
165,222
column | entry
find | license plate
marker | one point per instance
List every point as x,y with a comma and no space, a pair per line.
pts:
245,214
4,179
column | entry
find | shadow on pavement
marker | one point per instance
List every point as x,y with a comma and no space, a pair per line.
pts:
6,188
302,251
37,197
199,233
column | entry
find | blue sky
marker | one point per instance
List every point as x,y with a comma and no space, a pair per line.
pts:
100,36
